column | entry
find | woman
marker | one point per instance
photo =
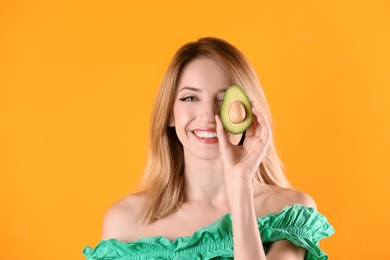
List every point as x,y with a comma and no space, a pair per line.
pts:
200,188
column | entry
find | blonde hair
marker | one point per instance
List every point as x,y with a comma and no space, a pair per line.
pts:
164,180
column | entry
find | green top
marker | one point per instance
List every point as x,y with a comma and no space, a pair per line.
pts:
299,224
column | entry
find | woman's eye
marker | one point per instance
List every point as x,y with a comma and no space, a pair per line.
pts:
191,98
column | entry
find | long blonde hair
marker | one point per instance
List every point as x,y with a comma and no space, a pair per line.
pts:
164,181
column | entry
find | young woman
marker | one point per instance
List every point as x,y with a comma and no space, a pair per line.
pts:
208,194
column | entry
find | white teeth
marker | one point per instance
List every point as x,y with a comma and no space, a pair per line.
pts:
204,134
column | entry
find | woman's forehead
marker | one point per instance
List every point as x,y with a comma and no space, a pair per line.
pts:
203,73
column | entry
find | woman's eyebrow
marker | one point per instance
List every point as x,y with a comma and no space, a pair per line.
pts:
222,90
190,88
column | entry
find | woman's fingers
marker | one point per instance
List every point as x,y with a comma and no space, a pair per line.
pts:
251,131
222,136
263,128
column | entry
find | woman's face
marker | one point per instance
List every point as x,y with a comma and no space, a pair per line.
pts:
200,91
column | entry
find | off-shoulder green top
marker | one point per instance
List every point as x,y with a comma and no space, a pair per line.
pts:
299,224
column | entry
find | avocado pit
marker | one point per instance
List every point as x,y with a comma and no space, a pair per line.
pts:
237,112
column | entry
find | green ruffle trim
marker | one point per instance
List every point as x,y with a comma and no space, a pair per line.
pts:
301,225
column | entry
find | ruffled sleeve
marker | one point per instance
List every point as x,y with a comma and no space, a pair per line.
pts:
214,241
299,224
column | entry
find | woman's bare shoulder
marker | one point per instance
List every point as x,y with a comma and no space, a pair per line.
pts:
276,198
292,196
120,219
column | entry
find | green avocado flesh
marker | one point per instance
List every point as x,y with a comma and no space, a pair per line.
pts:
232,94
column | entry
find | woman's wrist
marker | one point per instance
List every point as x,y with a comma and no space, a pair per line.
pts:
238,182
240,193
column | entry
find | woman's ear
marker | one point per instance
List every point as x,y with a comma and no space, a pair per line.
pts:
171,121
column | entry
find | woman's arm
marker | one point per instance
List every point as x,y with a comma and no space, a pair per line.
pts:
240,164
247,241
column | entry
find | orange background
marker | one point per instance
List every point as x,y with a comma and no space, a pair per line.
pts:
77,82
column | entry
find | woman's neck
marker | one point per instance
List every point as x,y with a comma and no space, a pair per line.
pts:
205,181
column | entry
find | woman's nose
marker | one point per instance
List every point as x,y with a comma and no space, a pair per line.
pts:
208,112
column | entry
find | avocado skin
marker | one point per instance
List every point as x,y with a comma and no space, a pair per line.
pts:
234,93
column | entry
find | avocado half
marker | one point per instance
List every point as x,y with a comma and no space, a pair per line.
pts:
236,101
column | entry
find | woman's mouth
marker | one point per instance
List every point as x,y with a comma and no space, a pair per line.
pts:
208,136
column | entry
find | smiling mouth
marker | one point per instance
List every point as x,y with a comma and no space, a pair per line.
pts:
205,134
208,136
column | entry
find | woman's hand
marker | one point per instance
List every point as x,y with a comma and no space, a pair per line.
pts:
243,161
